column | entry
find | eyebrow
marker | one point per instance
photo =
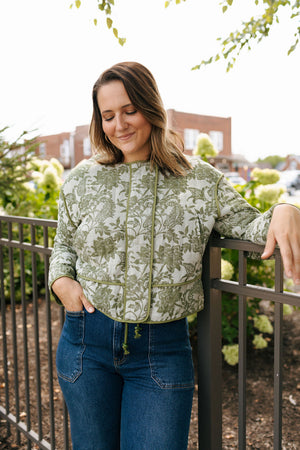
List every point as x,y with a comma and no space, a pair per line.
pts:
110,110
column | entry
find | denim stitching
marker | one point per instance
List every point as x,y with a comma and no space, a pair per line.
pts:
73,378
157,379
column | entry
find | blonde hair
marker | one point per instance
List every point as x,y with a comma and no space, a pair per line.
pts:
166,145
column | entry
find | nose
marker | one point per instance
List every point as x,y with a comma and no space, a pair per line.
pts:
121,122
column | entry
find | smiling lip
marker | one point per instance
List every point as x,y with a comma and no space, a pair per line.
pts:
125,136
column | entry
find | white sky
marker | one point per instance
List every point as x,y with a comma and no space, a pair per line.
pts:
51,56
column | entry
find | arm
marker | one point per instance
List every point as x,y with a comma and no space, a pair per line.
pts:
279,225
284,230
62,273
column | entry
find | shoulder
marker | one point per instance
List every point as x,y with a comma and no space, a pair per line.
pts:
202,170
81,169
79,174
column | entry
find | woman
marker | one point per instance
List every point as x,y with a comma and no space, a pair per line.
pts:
133,224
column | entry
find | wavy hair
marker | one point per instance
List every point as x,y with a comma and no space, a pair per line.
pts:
166,146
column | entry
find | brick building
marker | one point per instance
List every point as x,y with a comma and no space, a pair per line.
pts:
190,125
292,162
70,148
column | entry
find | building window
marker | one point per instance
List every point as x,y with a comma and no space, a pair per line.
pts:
217,139
87,147
65,155
190,138
42,150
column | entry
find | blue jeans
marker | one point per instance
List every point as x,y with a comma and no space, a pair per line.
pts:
138,401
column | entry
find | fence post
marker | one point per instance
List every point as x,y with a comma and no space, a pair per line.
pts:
209,341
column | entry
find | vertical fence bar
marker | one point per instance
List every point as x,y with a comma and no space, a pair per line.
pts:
49,341
278,355
209,337
4,330
25,334
65,411
14,327
242,352
36,335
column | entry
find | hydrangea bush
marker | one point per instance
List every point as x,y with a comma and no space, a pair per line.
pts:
37,197
262,193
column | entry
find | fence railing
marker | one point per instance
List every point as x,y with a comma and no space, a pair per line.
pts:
209,340
25,247
24,261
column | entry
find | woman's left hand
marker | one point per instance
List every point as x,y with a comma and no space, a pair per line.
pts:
284,230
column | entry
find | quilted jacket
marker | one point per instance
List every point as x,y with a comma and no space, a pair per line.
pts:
134,238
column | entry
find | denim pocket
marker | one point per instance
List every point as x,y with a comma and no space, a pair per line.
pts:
71,347
170,355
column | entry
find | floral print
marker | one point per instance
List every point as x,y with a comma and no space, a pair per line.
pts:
135,238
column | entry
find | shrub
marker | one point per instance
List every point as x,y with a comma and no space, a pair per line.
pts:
262,194
34,194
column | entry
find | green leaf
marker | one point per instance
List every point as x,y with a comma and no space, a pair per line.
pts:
115,31
95,22
177,2
167,4
122,41
224,9
77,3
109,22
292,48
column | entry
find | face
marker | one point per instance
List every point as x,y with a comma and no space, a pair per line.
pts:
126,128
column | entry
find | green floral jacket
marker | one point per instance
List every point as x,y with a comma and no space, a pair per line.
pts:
134,238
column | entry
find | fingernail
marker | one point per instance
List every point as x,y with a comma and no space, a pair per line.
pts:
90,309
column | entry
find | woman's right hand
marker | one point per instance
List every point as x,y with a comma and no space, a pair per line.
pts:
71,295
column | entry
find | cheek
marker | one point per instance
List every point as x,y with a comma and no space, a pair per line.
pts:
107,128
145,126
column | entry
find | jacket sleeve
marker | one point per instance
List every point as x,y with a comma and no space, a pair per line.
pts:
237,218
63,257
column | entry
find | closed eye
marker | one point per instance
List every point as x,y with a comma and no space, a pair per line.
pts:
129,113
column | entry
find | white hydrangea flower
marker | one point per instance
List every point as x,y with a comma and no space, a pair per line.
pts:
269,193
204,146
58,166
287,310
50,178
265,176
231,354
37,176
39,164
29,186
227,269
259,342
263,324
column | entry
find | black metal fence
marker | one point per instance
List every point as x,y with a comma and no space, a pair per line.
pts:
40,420
25,247
209,341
